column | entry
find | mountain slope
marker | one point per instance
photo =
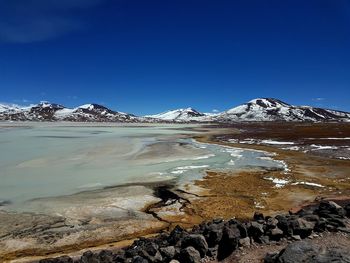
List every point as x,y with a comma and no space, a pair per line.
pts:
180,115
261,109
269,109
46,111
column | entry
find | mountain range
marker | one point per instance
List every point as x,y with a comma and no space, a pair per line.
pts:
261,109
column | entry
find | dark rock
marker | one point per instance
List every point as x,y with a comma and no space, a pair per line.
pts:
168,252
213,252
306,251
189,255
276,234
176,235
258,217
132,251
228,242
255,230
196,241
321,225
63,259
241,227
311,218
284,225
270,258
306,211
296,237
242,230
89,257
139,259
244,242
344,230
213,234
106,256
329,207
301,227
119,258
162,240
151,248
336,222
347,209
218,221
263,240
271,223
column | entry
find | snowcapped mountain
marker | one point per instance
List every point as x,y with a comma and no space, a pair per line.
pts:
46,111
261,109
9,108
180,115
269,109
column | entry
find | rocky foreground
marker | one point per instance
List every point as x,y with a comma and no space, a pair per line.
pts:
218,239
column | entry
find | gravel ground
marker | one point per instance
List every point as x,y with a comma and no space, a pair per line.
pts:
256,253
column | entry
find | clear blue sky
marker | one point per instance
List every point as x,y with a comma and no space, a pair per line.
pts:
147,56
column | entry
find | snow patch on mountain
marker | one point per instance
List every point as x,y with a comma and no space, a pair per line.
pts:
270,109
181,115
260,109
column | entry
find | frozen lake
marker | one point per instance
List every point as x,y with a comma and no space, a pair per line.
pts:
46,160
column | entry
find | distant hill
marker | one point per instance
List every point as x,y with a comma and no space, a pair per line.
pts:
261,109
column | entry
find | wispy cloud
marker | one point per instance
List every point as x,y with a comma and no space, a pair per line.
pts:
215,110
25,21
21,101
318,99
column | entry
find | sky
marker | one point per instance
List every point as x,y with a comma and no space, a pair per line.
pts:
148,56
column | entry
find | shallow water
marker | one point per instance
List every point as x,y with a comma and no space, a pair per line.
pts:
46,160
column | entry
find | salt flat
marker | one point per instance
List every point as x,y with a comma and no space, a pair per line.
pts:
45,160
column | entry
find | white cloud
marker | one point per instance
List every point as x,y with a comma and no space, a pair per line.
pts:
318,99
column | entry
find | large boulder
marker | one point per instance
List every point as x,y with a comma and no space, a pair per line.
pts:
168,252
347,209
306,251
283,224
255,230
176,235
327,208
259,217
197,241
189,255
229,242
301,227
213,234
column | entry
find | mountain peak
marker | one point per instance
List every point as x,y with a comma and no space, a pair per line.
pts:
268,102
259,109
186,115
271,109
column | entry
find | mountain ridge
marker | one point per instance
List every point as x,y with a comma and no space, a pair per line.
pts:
259,109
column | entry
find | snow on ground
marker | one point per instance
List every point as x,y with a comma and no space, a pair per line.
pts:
323,147
278,182
182,169
258,205
275,142
307,183
329,138
343,158
292,148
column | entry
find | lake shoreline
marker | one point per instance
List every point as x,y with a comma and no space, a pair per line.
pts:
187,208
